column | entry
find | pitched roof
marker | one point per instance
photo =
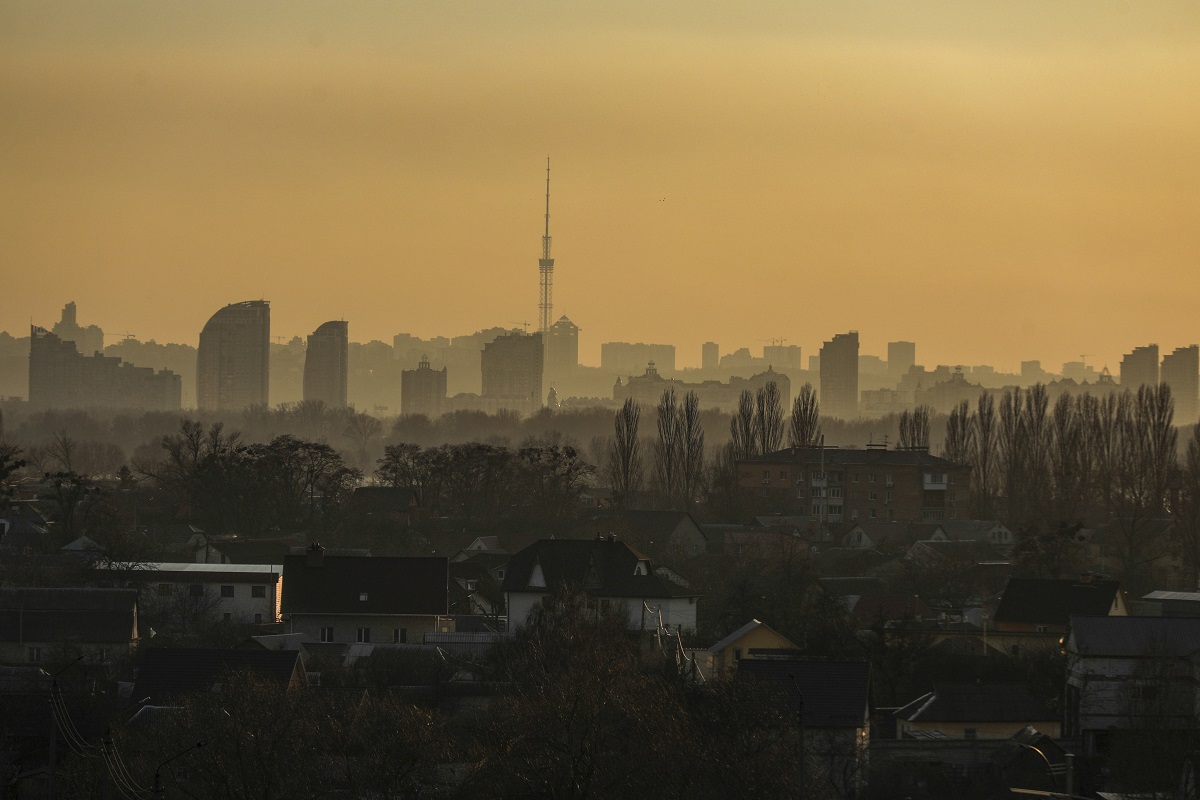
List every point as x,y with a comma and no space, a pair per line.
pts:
78,615
600,567
977,702
169,673
1053,602
651,525
830,694
365,585
1127,637
742,631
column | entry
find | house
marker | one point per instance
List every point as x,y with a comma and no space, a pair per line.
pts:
963,553
473,590
671,534
1035,612
23,528
167,675
991,531
364,599
240,593
831,703
35,624
891,537
608,570
976,711
755,639
1132,673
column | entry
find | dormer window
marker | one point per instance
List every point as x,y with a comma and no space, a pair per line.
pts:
642,568
362,597
537,579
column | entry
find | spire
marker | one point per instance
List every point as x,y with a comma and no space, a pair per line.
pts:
546,266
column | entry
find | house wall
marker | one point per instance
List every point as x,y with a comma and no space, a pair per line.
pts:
382,626
983,730
725,661
164,586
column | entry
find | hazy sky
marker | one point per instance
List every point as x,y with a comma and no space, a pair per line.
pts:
995,181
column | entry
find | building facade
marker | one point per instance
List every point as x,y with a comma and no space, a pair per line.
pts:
902,356
59,377
1139,367
1181,371
648,388
839,376
233,360
326,366
423,390
511,368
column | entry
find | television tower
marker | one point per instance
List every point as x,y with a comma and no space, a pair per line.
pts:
546,265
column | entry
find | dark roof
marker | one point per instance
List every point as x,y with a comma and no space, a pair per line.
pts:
392,585
1129,637
655,525
1052,602
835,457
601,567
256,551
169,673
832,694
974,552
60,615
977,702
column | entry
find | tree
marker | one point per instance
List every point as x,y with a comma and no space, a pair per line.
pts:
959,445
692,445
668,449
914,429
768,418
362,429
743,435
804,429
625,461
984,467
1185,508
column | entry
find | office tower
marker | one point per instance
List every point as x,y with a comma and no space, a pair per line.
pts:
1140,367
87,340
60,377
562,347
423,390
232,363
710,355
1181,371
902,356
326,364
839,376
511,369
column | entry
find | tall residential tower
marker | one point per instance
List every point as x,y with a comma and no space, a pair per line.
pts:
232,363
325,364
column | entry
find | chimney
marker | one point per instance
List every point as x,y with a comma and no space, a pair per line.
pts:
315,555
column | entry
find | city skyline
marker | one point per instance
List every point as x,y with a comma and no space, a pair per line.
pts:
997,184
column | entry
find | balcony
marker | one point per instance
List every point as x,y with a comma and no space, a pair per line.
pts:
934,483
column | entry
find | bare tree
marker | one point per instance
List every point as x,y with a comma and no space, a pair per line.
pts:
742,433
1185,508
983,474
959,445
692,446
805,427
668,450
768,418
625,459
914,428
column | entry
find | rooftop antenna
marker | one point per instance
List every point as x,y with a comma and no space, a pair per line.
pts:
546,265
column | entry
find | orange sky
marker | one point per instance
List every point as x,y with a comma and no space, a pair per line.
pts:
995,181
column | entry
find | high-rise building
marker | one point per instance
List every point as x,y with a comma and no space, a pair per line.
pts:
326,364
59,377
1140,367
1181,371
562,348
87,340
511,368
902,356
233,360
783,356
423,390
710,355
839,376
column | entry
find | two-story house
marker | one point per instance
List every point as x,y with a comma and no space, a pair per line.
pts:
35,624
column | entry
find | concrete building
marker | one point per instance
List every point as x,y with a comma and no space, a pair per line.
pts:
233,361
839,376
423,390
1181,371
59,377
241,593
710,355
562,353
901,357
511,368
648,388
625,358
1140,367
87,340
783,356
326,364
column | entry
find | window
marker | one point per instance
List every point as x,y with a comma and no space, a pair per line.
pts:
258,591
327,634
164,590
856,477
835,510
889,496
227,617
226,591
258,619
816,510
871,513
783,474
399,635
887,479
766,476
737,654
364,635
872,495
196,590
362,597
835,492
1041,628
871,478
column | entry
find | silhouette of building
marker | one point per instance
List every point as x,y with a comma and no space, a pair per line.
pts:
839,376
423,390
326,364
1140,367
87,340
625,358
59,377
784,356
233,360
562,348
710,355
648,388
511,368
902,356
1181,371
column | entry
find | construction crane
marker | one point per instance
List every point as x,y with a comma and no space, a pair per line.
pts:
524,325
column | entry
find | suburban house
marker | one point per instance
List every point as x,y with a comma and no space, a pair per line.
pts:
991,531
670,533
1035,612
241,593
891,537
755,639
1132,673
607,570
831,703
975,711
35,624
364,599
168,674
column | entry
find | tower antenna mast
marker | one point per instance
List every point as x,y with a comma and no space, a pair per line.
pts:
546,266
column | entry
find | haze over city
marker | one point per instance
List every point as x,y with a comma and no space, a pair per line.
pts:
996,182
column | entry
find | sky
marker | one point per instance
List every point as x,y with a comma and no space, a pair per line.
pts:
996,181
